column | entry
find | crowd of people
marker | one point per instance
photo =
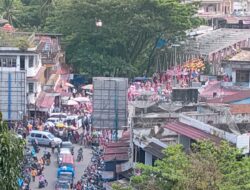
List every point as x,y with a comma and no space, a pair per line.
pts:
162,82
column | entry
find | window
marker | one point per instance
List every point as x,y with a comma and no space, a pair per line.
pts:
22,62
31,87
45,137
32,134
8,61
31,61
38,135
242,76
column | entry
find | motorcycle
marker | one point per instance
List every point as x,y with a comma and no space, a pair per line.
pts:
42,184
79,157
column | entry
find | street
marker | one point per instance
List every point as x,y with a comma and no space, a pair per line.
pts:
51,170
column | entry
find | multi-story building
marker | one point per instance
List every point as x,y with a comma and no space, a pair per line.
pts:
213,8
28,59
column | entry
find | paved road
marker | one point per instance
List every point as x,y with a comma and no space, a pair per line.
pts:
50,171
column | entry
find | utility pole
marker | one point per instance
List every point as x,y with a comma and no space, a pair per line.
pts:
175,63
116,113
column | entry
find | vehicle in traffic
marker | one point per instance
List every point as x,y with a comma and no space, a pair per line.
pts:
58,115
63,151
66,174
78,120
54,120
43,138
62,185
67,160
69,145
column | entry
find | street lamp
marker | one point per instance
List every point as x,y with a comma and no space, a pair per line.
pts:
98,23
175,62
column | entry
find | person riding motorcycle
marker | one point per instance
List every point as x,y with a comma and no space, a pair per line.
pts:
80,156
42,181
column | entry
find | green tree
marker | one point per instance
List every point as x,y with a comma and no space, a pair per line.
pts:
9,9
127,38
11,155
206,167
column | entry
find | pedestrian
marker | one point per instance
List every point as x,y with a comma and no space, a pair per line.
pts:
33,174
53,145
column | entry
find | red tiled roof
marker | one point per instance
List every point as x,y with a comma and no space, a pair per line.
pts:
240,95
239,109
191,132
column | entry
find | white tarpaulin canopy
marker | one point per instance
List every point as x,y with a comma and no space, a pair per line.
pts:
71,103
68,84
82,99
88,87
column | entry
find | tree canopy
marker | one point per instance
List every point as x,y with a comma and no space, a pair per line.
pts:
125,43
206,167
11,155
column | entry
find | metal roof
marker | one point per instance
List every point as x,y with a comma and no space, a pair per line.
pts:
155,150
191,132
216,40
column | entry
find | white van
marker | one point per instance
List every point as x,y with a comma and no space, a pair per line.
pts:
77,118
54,120
43,138
58,115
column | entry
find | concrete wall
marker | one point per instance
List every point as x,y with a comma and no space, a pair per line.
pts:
220,118
185,141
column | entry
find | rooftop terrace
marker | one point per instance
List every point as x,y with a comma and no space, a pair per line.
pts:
16,39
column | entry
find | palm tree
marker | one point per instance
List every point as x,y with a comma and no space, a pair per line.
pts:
7,9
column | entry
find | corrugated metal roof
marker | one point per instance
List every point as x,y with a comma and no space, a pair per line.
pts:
118,144
155,150
191,132
117,157
240,95
239,109
116,150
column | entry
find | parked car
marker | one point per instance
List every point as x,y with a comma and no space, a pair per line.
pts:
69,145
43,138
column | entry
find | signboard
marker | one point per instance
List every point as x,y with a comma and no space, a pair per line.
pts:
12,95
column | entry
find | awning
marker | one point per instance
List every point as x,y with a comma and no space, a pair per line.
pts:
191,132
155,150
39,76
45,101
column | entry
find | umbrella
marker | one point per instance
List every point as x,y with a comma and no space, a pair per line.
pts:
60,125
88,87
71,103
68,84
82,99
